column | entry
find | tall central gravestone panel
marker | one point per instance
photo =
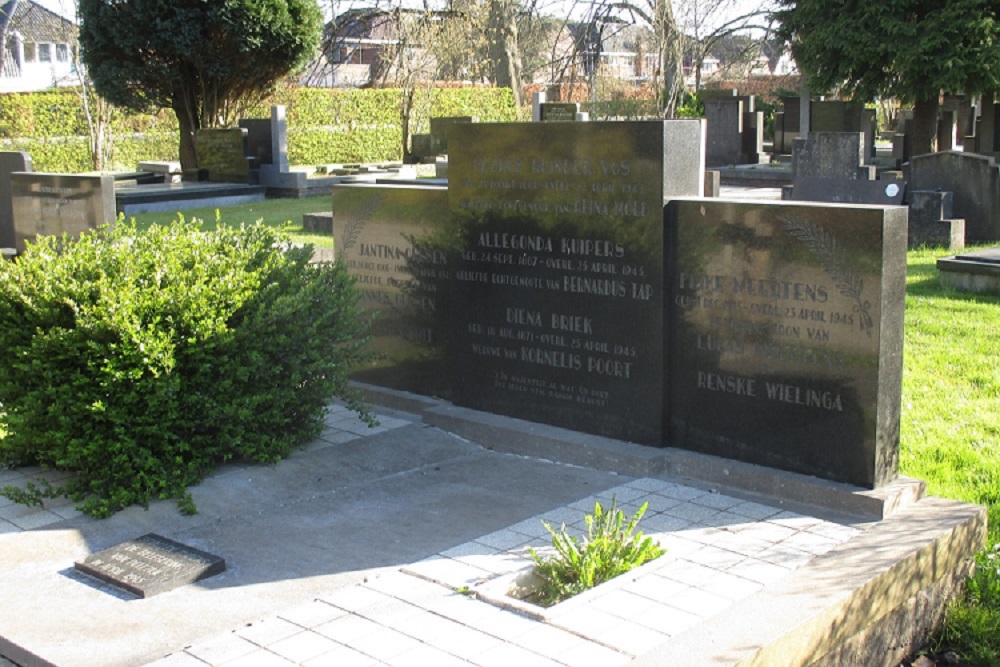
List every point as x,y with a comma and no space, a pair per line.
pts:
787,336
558,279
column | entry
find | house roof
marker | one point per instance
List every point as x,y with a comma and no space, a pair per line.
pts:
38,24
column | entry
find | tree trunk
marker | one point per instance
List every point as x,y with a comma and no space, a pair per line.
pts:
671,55
505,53
924,136
188,126
406,113
5,28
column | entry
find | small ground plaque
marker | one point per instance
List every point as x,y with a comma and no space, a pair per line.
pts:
150,565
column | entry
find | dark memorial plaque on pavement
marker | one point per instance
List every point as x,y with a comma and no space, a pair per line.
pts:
557,287
150,565
787,334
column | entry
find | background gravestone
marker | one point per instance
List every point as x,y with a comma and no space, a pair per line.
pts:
786,125
56,204
974,181
787,325
439,131
557,291
10,162
260,145
555,111
724,145
223,154
841,116
833,155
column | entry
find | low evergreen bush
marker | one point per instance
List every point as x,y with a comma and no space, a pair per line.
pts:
138,360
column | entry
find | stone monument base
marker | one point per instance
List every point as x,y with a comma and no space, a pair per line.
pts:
977,271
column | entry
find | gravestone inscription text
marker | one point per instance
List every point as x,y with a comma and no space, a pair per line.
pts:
787,323
559,271
151,564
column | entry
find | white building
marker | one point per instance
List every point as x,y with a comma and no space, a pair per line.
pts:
41,48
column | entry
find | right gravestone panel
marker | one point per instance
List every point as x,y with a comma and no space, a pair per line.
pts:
786,325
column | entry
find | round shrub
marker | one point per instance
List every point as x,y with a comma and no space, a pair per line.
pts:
138,360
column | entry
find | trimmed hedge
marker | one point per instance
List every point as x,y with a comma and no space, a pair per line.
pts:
324,125
138,360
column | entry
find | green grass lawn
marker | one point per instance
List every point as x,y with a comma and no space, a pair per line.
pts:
273,212
950,431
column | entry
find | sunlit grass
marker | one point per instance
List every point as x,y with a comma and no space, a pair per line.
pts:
273,212
950,430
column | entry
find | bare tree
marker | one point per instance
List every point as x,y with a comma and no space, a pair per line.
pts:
658,16
707,23
504,49
6,14
408,63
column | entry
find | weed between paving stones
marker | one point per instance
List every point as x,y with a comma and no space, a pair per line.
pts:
612,547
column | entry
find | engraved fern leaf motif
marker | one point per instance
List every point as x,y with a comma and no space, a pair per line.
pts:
355,225
836,263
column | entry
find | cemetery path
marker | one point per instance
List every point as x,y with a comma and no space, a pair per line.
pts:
357,551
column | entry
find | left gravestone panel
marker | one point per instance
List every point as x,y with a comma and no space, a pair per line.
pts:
386,235
10,162
150,565
56,204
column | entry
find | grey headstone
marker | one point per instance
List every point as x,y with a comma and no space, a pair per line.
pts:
279,137
421,146
840,116
10,162
965,114
752,139
56,204
724,138
932,220
974,181
786,129
150,565
835,155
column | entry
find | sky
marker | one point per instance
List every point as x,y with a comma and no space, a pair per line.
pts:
65,8
730,8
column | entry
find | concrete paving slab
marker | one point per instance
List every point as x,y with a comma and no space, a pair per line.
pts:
321,520
352,553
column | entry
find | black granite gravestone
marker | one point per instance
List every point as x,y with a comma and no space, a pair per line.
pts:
440,126
259,142
877,193
557,288
553,111
786,325
150,565
385,235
